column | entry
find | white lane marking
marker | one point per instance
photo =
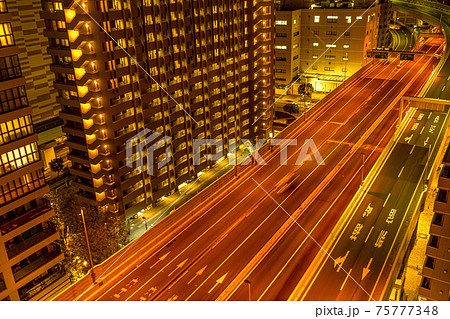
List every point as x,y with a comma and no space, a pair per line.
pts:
370,232
422,130
412,149
401,171
443,88
387,198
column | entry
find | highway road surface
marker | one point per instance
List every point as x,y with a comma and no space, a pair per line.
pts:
366,244
232,236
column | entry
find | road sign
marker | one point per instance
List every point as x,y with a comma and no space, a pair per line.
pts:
407,56
377,55
381,55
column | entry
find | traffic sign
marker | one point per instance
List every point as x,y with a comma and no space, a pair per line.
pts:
381,55
407,56
377,55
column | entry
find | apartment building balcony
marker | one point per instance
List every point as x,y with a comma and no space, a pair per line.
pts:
14,250
81,173
66,85
76,131
83,185
78,40
78,145
23,222
55,15
78,159
22,269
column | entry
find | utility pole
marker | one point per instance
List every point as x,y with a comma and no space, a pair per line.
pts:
249,289
88,245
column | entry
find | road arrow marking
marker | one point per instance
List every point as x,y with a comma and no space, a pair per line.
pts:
198,273
426,141
366,269
340,261
178,266
408,139
160,259
218,281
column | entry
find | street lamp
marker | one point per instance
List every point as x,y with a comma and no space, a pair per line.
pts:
249,291
88,245
145,222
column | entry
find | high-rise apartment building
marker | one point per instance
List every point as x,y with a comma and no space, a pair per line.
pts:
435,283
35,65
186,69
29,256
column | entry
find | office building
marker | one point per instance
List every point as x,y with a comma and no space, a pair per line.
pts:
326,46
213,61
29,255
435,283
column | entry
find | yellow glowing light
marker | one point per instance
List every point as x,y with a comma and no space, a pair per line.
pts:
73,35
82,90
76,54
70,14
79,73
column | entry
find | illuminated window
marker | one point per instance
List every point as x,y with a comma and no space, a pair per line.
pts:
280,47
346,46
15,129
3,7
316,19
13,160
280,22
332,19
21,186
315,44
6,36
348,19
330,45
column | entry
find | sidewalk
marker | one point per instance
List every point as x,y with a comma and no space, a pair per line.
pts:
166,205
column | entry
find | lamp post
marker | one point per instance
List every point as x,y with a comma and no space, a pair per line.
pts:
88,245
249,289
145,222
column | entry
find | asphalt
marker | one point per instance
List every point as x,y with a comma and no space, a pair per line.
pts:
368,239
211,254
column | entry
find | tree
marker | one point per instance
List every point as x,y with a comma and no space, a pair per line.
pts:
107,232
57,165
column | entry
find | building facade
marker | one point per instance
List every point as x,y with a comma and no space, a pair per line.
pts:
184,69
35,64
29,256
332,44
435,283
